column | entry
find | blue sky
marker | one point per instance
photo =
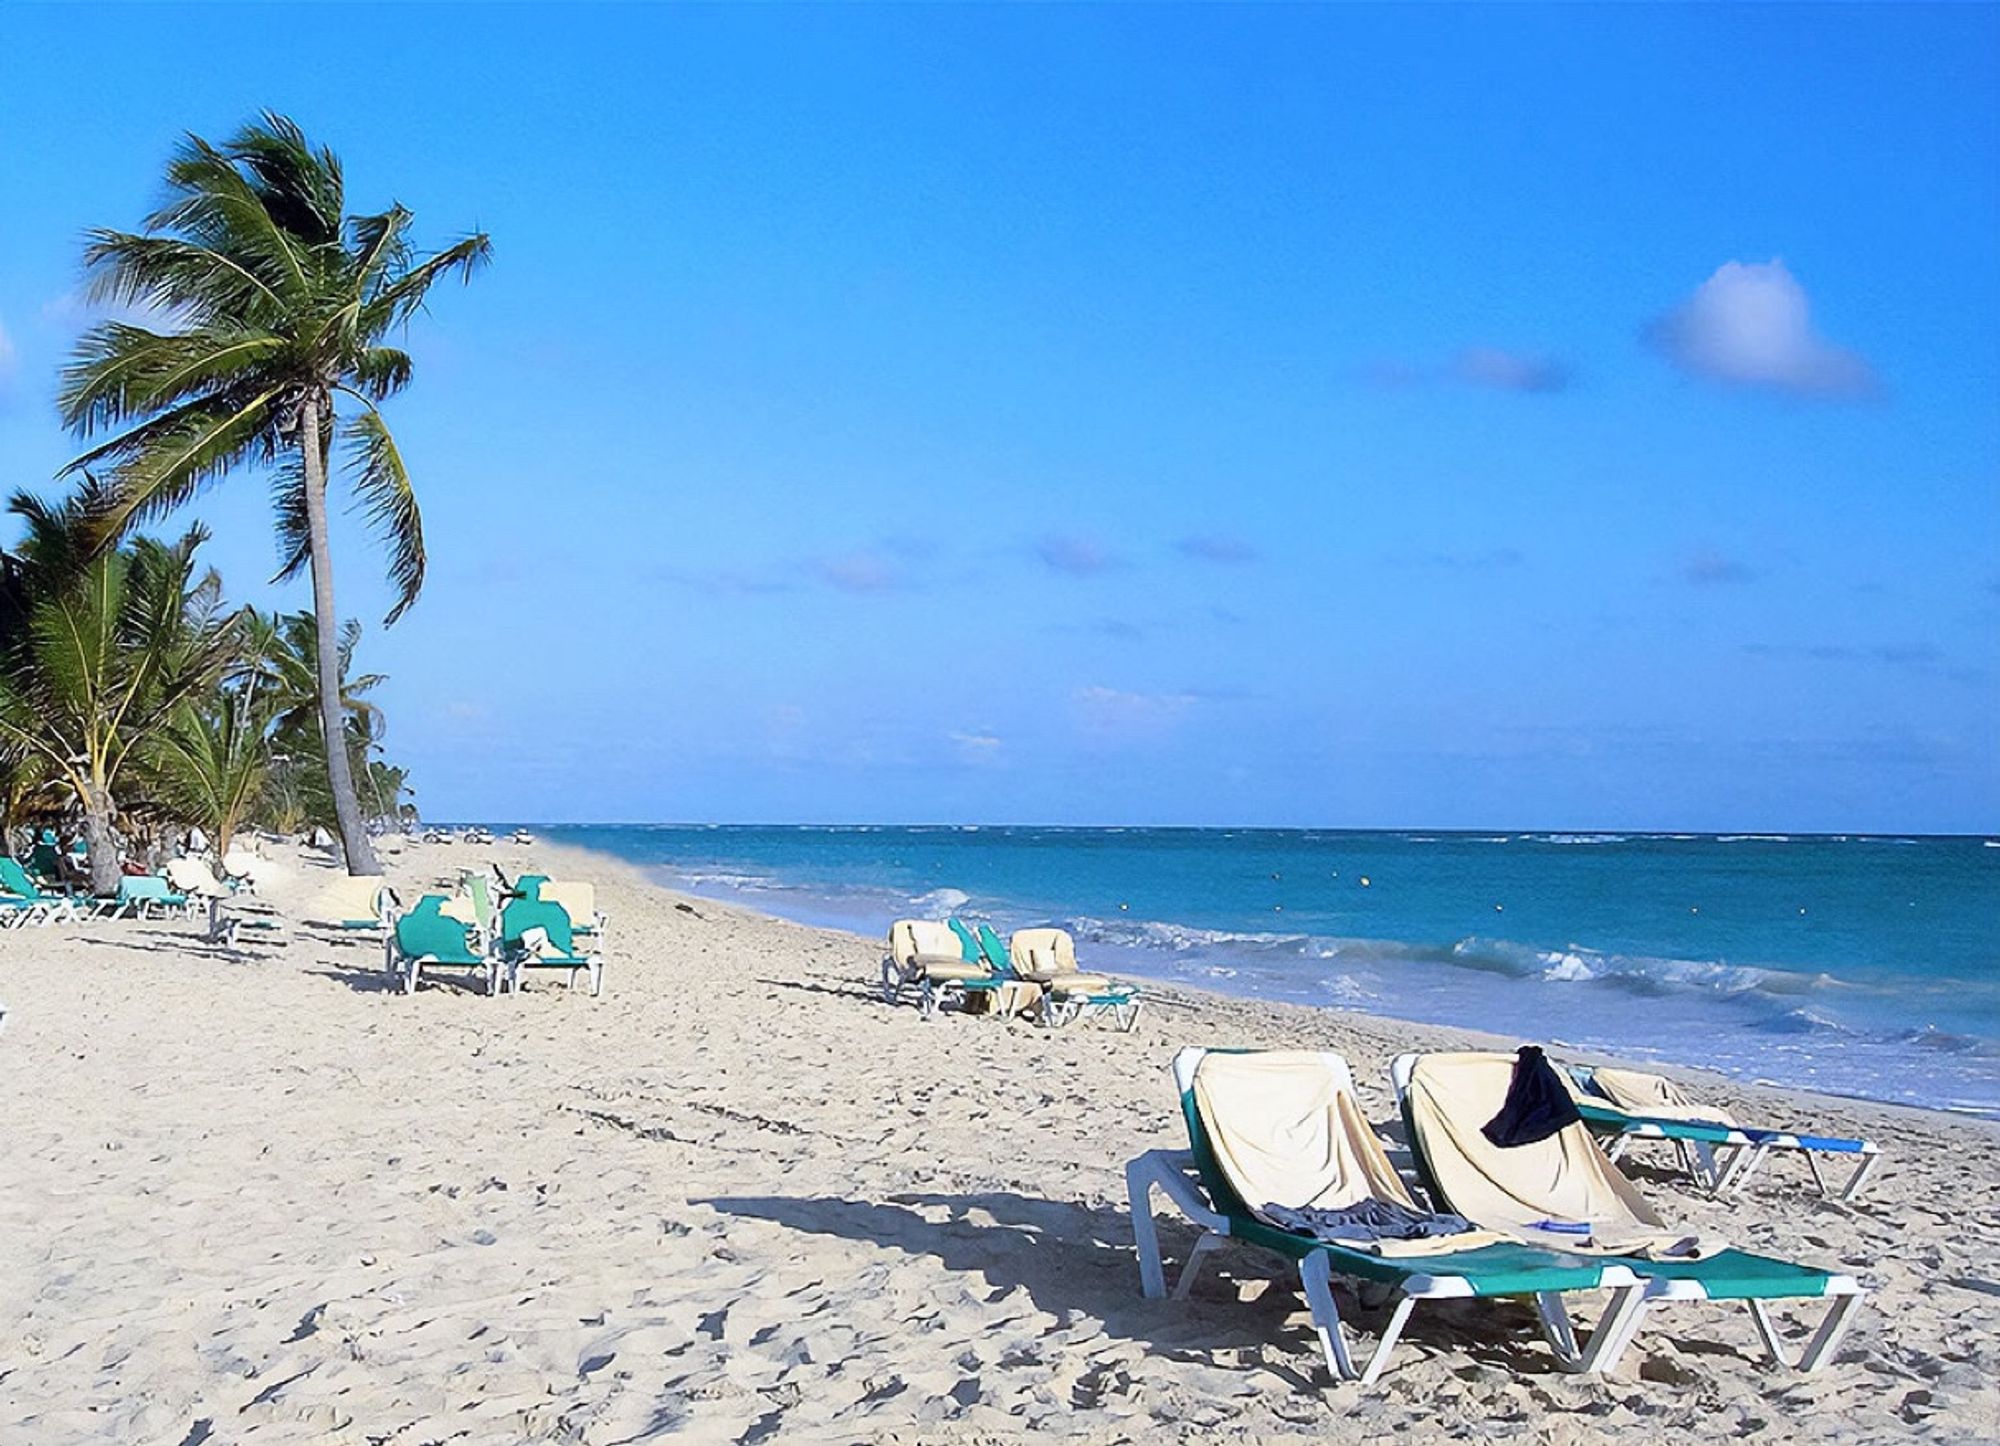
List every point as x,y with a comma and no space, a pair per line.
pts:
1503,417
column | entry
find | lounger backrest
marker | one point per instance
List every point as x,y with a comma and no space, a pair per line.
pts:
14,879
577,897
1284,1128
427,932
1042,953
1448,1097
192,876
349,899
536,912
1639,1093
912,938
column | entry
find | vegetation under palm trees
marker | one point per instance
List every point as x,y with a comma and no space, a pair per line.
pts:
102,650
277,304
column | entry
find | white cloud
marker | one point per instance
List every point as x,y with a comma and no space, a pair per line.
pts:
1113,712
1750,324
979,748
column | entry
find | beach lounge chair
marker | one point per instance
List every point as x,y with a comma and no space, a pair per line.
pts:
26,902
1625,1106
352,903
195,879
1283,1125
146,896
1563,1189
939,963
426,938
536,934
1048,957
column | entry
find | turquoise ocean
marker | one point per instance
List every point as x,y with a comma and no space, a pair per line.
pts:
1867,966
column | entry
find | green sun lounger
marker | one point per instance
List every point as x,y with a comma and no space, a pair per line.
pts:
146,896
536,934
25,901
1198,1184
428,939
1719,1154
1466,1173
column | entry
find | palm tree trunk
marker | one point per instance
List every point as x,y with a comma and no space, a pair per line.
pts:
332,730
101,839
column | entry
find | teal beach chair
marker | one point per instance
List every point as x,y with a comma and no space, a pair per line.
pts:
146,896
1565,1184
426,938
1626,1106
536,934
1294,1096
26,902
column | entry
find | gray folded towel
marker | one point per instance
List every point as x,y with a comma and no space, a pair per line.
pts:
1366,1220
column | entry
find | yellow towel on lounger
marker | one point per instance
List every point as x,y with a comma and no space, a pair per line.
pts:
1564,1179
1286,1130
1655,1096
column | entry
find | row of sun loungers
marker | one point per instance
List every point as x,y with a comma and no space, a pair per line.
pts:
1279,1147
1034,972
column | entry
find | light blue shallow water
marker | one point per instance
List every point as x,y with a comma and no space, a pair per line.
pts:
1865,966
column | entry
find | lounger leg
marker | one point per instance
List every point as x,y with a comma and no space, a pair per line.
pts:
1830,1331
1556,1326
410,979
596,978
1860,1176
1812,1164
1315,1276
1145,1230
1618,1148
1185,1283
1616,1329
1744,1167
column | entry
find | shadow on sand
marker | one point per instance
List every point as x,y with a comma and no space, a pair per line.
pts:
1073,1258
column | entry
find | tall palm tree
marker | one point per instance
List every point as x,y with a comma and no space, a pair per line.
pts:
276,303
108,646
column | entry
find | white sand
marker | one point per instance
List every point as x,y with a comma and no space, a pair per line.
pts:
256,1197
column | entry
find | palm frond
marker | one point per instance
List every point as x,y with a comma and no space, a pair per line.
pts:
382,490
397,299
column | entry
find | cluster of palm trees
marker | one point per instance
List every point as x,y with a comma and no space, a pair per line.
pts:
252,334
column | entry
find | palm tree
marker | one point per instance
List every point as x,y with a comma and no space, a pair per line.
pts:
210,763
277,302
104,648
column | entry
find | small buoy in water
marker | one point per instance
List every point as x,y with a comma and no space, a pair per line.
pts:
1277,876
1277,908
1802,911
1692,909
1125,906
1499,908
1364,881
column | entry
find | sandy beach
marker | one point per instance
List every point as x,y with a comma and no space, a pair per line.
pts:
256,1195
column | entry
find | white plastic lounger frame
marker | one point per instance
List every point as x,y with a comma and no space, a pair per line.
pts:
1722,1167
1172,1173
1844,1291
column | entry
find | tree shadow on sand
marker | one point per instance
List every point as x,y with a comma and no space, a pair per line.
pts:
1076,1259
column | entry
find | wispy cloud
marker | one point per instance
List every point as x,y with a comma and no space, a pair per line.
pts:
860,571
1910,657
1750,324
1510,371
982,749
1216,547
1115,713
1485,559
1076,555
1709,568
1496,368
